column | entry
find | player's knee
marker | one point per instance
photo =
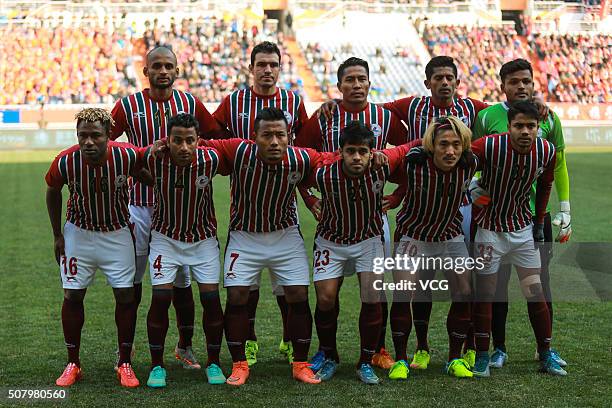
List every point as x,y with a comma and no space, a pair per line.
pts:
238,295
531,286
326,300
74,295
295,294
124,295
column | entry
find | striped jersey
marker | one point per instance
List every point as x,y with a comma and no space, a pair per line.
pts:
324,135
508,175
430,210
351,209
419,111
238,110
184,208
98,195
263,194
144,120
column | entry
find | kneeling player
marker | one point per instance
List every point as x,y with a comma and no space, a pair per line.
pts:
350,230
96,234
435,179
511,163
184,232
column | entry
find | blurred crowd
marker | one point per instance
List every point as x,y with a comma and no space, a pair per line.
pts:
214,55
64,65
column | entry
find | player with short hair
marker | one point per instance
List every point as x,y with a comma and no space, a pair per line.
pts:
511,163
184,232
237,112
96,234
517,84
435,178
264,233
350,229
144,117
323,134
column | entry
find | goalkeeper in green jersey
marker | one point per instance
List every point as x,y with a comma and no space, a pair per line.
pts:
517,84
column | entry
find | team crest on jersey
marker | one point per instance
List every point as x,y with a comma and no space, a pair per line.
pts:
294,177
201,182
540,133
289,117
466,185
120,181
465,120
376,129
378,186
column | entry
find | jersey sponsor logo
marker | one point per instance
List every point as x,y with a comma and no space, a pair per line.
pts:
319,270
201,182
294,177
230,275
139,115
376,129
378,186
289,117
120,181
243,115
158,275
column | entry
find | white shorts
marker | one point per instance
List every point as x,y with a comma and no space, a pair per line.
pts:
329,258
86,251
281,251
141,218
516,248
435,252
169,256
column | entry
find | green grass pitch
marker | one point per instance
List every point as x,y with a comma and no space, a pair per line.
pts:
33,354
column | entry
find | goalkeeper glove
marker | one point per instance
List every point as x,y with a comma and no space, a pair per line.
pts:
563,220
480,197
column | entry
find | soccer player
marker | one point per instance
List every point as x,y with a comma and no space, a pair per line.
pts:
517,84
264,233
143,117
323,134
96,234
350,229
184,233
511,163
435,178
237,112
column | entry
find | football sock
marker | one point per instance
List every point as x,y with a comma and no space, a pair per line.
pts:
370,321
326,324
470,343
182,299
540,323
252,311
300,328
125,319
482,325
384,307
499,312
236,330
73,317
284,309
457,324
157,324
401,325
212,322
420,317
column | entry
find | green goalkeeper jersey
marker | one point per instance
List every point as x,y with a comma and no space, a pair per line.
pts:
494,120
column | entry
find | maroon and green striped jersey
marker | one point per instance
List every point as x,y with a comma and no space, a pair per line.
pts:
324,135
351,209
263,194
419,111
184,208
238,110
98,194
430,210
144,121
508,175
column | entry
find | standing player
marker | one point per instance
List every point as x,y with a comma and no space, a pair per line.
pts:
144,117
184,233
264,233
350,229
237,113
517,85
435,179
511,163
323,134
96,234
